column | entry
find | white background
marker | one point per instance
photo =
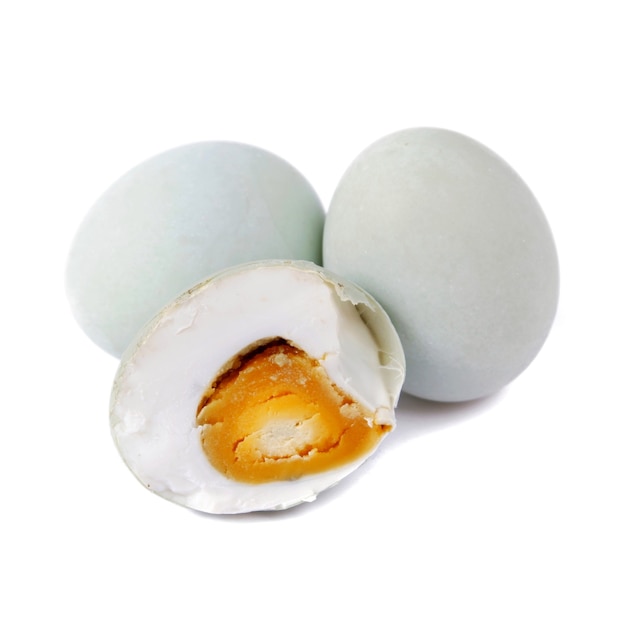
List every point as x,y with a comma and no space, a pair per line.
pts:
510,509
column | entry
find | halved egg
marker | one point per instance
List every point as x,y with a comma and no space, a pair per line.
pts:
257,389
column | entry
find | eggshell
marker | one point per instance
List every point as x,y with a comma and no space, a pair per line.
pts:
453,244
166,370
176,219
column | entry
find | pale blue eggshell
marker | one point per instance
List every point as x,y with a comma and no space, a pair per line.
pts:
454,245
177,218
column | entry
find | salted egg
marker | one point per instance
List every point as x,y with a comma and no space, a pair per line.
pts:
454,245
257,389
175,219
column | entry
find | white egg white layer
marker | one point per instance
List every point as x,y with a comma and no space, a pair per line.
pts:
165,374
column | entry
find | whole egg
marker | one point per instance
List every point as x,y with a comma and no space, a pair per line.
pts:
454,245
177,218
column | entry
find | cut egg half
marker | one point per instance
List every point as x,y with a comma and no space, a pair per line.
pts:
257,389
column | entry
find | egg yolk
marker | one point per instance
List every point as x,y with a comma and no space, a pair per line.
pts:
276,415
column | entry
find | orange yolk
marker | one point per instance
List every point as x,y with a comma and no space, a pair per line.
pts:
276,415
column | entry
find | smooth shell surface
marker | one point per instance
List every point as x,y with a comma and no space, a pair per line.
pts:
165,372
176,219
454,245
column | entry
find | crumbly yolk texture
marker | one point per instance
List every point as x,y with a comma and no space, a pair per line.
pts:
276,415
